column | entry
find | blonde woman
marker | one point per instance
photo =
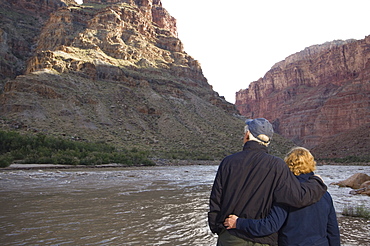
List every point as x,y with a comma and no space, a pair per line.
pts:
313,225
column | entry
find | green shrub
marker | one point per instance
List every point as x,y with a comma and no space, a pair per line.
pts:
5,160
148,162
45,149
358,211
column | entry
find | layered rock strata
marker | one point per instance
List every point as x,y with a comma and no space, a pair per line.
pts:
314,94
114,71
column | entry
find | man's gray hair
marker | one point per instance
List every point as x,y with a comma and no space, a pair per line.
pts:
266,139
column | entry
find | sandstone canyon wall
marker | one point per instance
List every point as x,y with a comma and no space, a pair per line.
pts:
110,71
315,94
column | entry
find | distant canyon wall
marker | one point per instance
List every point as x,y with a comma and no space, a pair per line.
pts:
314,94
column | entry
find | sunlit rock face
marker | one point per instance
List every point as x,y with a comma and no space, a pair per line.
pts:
109,71
314,94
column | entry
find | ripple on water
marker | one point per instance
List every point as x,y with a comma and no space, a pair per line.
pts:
133,206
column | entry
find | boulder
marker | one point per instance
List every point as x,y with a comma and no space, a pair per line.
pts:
355,181
365,188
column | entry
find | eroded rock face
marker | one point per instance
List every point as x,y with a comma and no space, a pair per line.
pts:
115,71
123,32
20,26
314,94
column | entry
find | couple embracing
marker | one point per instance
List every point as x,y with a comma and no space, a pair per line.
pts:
258,199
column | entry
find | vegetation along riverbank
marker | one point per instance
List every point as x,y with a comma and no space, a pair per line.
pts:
58,152
43,149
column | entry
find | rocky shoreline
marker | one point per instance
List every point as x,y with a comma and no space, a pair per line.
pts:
158,162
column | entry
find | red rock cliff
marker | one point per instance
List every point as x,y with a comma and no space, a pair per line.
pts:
112,71
314,94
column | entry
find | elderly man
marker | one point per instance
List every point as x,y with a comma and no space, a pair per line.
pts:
248,182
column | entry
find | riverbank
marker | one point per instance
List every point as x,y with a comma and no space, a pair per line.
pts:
158,162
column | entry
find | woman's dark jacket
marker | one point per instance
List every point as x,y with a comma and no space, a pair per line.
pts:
315,225
248,182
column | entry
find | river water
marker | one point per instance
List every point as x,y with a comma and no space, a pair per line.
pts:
163,205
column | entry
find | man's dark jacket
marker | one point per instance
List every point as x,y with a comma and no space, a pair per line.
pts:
314,225
248,182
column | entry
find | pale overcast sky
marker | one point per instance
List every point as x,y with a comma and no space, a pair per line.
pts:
238,41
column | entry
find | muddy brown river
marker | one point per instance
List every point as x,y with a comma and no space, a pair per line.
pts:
165,205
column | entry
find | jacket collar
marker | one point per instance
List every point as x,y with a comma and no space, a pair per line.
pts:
304,177
254,145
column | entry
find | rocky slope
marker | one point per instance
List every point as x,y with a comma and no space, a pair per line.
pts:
315,94
348,146
110,71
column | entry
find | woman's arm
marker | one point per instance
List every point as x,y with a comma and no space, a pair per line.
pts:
259,227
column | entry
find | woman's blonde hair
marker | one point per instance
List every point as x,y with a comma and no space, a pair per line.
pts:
300,161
